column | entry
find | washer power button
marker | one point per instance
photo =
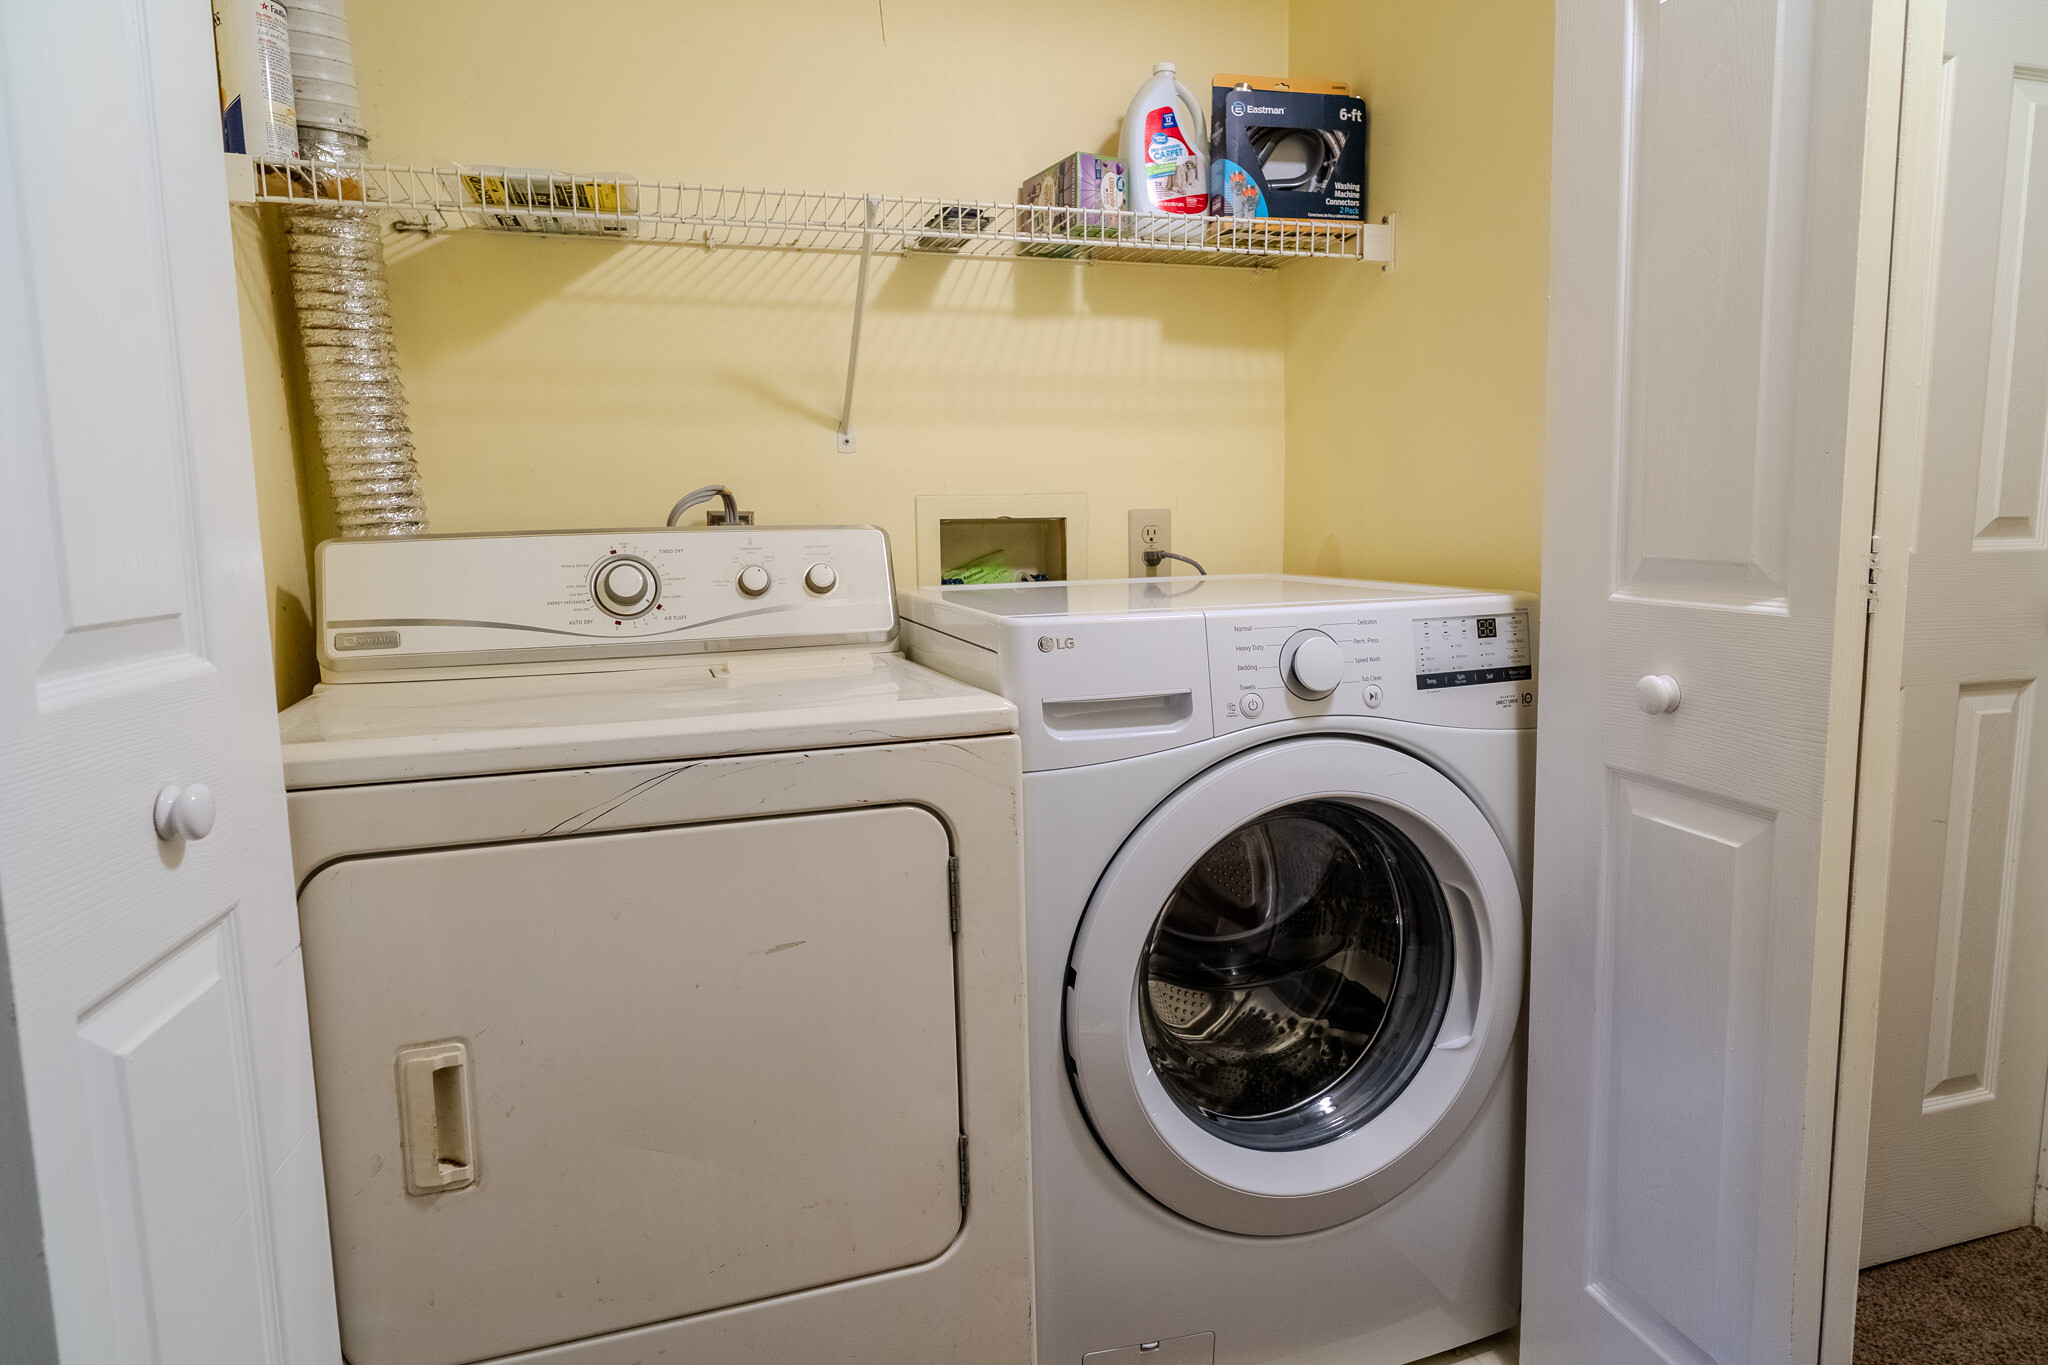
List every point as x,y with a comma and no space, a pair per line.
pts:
1251,703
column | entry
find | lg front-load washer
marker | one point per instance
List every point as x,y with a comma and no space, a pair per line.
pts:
1276,835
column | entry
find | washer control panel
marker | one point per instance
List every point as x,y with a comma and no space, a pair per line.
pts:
440,602
1466,661
1473,651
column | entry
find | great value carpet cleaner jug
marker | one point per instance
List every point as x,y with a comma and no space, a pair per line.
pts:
1166,155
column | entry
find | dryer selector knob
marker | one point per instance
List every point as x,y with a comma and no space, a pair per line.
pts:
821,578
1311,664
625,586
753,580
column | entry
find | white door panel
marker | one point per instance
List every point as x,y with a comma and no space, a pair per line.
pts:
116,585
1681,1001
178,1173
1710,299
1716,339
1962,1042
146,1136
121,559
1988,754
2009,484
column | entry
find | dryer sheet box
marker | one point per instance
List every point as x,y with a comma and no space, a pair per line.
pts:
1079,196
1285,149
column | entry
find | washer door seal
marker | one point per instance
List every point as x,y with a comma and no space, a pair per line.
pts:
1295,985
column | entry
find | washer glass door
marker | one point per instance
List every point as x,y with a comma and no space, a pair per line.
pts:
1296,977
1295,985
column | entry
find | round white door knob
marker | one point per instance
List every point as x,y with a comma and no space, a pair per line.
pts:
1658,694
184,812
821,578
1313,664
753,580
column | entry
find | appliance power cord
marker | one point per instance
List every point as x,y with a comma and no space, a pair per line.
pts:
703,495
1153,558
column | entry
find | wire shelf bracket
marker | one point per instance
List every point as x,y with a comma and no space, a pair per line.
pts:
848,443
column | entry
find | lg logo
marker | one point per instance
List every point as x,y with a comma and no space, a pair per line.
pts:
1047,644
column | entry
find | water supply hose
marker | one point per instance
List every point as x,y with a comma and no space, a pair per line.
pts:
336,258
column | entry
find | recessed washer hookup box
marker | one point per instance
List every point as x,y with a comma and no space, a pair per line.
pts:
1281,149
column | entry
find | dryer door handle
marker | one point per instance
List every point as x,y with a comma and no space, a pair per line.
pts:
434,1118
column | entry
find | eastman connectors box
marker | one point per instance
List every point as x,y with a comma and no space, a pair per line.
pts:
1278,149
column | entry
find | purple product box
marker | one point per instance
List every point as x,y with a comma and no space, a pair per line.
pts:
1080,196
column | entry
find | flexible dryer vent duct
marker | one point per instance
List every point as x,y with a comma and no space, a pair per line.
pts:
337,271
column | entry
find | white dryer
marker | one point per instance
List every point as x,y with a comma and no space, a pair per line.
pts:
1276,836
664,957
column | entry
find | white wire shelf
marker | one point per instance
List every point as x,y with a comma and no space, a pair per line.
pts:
621,208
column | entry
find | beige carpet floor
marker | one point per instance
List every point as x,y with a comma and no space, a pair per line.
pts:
1980,1303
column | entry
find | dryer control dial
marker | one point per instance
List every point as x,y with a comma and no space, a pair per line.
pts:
1311,664
625,585
753,580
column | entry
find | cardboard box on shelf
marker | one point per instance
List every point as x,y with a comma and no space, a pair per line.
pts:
1282,149
1079,196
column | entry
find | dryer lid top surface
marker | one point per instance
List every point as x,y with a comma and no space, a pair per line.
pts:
1129,596
351,733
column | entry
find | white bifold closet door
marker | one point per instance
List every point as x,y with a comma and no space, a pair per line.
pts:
160,1194
1962,1060
1721,214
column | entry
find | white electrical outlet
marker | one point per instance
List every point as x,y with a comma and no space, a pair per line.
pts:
1151,529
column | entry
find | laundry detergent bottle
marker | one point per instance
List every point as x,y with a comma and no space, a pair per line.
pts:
1166,154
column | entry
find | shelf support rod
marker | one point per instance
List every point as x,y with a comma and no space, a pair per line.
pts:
847,443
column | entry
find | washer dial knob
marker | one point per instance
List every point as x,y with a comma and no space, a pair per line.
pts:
625,586
1311,664
753,580
821,578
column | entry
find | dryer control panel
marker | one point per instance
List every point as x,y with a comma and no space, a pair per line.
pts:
413,603
1467,661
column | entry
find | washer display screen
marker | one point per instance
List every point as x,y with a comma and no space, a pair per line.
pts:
1296,977
1466,651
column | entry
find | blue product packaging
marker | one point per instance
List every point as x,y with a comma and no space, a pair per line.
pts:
1278,149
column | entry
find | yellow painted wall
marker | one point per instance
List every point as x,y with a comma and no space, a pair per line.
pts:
1329,419
1414,409
275,409
574,383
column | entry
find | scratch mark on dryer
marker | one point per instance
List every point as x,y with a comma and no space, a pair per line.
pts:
589,816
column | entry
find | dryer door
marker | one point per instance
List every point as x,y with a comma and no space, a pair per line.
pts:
572,1085
1295,985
